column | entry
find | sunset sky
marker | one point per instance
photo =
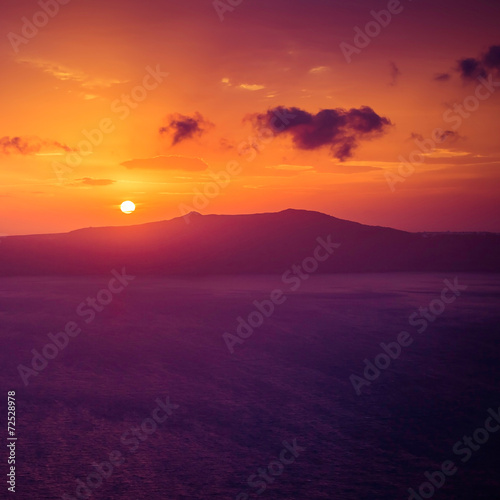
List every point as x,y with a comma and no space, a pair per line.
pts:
184,88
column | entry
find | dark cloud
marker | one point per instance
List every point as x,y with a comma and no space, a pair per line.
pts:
449,135
339,129
492,58
226,144
471,68
415,135
88,181
395,73
445,135
167,163
182,127
29,145
442,77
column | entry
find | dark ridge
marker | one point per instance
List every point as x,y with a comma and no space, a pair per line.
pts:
239,244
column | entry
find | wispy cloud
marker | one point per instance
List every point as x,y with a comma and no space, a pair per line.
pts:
243,86
395,73
447,153
31,146
292,167
173,162
442,77
251,86
88,181
318,69
64,73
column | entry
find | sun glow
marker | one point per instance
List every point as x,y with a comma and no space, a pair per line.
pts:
127,207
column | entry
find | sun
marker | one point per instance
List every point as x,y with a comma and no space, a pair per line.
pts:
127,207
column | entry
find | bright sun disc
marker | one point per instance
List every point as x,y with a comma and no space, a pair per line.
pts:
127,207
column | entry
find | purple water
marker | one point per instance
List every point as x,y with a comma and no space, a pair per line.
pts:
289,380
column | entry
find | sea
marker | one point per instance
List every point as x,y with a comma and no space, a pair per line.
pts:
342,387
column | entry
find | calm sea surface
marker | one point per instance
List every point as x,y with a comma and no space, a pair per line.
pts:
288,380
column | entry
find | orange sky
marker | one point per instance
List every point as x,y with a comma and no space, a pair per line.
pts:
160,143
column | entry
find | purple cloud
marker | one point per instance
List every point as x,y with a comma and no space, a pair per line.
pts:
339,129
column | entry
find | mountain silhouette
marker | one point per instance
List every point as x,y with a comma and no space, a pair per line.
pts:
240,244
